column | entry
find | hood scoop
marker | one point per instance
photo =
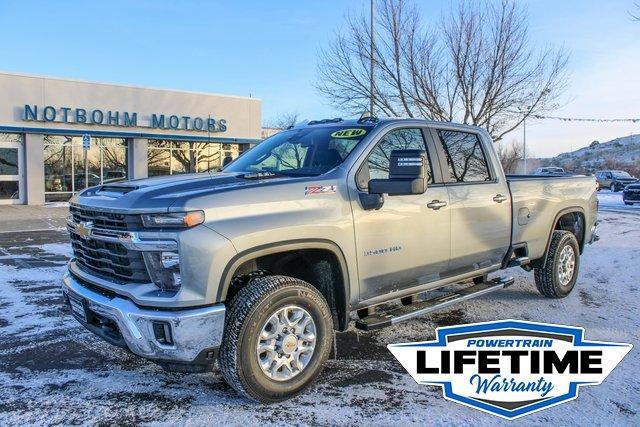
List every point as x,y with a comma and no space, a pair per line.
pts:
117,189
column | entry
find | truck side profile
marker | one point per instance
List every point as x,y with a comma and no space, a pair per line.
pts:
256,266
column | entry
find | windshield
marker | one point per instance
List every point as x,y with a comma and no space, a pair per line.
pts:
301,152
621,174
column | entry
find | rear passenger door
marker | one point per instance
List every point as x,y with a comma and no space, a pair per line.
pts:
479,200
406,242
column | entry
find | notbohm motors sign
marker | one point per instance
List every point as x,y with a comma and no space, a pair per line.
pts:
510,368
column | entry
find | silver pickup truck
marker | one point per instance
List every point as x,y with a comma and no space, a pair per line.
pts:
256,266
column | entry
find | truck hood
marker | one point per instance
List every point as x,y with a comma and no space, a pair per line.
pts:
158,194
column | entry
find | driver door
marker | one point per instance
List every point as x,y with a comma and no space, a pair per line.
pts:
407,241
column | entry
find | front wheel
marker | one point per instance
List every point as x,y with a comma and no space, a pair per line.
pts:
558,275
277,338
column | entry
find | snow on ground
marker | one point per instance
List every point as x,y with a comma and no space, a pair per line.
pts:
52,371
610,200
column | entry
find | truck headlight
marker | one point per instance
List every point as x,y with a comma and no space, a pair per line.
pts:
164,269
173,220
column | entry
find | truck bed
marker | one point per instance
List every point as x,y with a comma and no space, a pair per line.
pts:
538,200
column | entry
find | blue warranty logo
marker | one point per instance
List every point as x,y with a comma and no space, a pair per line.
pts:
510,368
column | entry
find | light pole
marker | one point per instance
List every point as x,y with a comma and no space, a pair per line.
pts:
372,52
526,111
524,143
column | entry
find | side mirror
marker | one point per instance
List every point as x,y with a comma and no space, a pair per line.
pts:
407,174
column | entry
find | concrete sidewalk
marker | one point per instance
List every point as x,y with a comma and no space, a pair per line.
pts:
31,218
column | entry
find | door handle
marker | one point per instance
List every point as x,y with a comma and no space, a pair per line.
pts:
499,198
436,204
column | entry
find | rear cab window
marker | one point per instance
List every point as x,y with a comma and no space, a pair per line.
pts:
465,156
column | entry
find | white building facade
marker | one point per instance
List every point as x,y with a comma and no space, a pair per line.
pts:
60,136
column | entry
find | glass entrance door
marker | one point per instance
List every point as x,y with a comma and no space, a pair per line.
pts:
11,179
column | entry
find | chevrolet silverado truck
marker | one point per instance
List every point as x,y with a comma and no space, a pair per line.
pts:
256,266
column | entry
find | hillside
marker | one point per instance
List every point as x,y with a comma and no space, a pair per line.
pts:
620,153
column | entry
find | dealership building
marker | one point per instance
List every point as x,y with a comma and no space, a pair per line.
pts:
60,136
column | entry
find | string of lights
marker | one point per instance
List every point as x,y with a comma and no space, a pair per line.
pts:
577,119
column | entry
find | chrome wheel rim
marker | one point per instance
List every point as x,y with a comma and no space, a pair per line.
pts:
567,265
286,343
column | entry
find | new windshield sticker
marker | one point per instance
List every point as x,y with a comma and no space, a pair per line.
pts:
348,133
510,368
319,189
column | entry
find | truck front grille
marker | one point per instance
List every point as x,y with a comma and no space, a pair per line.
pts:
105,220
107,259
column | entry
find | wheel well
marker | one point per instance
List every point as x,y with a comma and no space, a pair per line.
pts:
573,222
318,267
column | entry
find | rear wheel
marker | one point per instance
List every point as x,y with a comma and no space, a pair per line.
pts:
558,275
277,338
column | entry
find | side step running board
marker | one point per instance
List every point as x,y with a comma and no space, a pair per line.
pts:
419,308
518,262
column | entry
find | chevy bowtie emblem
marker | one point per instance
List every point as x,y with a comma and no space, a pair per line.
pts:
83,229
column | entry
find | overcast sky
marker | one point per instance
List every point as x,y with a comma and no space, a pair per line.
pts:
268,50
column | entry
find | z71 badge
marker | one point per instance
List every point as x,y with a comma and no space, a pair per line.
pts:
319,189
510,368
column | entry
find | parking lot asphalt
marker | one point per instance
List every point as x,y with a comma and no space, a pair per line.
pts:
53,371
32,218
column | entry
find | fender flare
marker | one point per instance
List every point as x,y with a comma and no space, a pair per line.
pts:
289,245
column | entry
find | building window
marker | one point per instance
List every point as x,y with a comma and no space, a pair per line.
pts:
68,168
10,170
176,157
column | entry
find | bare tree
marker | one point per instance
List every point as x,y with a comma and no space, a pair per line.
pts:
510,156
635,13
476,67
284,121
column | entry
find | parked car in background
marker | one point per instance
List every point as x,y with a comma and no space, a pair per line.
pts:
550,170
614,180
631,194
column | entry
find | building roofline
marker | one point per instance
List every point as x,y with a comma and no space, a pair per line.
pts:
66,79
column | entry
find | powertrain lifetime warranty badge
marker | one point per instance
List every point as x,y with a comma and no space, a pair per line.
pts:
510,368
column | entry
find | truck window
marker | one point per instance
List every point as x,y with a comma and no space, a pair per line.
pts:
377,164
465,157
308,151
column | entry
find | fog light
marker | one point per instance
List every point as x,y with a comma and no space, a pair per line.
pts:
164,269
162,332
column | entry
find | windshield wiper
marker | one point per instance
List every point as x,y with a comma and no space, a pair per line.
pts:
297,175
261,175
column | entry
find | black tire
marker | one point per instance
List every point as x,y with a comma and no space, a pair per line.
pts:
547,278
628,203
247,313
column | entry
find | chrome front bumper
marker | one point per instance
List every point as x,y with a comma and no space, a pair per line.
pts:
195,333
